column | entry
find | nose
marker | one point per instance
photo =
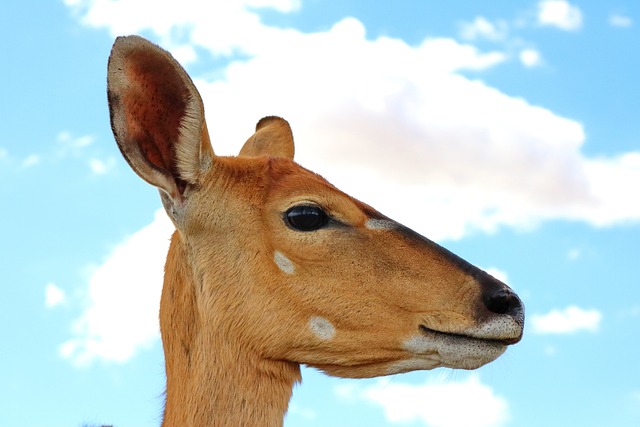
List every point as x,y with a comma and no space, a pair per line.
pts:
502,301
498,298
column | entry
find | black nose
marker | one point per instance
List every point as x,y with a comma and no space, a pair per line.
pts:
502,301
499,298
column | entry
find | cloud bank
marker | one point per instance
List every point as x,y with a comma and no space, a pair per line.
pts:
434,403
123,299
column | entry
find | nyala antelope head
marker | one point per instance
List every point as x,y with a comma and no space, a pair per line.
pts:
271,266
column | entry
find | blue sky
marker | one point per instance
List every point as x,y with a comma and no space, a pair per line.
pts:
507,131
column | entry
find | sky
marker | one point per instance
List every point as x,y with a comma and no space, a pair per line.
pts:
507,131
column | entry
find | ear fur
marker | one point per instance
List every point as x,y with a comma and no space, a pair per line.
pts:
157,115
273,138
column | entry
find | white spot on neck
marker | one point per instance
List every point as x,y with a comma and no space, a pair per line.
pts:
283,263
322,328
380,224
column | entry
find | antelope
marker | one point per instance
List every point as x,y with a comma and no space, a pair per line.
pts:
271,266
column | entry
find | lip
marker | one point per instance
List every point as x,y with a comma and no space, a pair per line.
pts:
450,335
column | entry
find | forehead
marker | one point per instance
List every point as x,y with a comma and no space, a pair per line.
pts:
292,184
289,177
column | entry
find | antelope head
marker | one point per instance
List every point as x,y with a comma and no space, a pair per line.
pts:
272,262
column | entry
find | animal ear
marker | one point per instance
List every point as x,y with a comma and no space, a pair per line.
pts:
157,115
273,138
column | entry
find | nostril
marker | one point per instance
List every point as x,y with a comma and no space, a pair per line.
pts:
502,301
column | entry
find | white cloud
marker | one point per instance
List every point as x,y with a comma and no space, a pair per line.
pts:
568,321
31,160
121,315
27,162
53,296
435,403
79,148
560,14
620,21
68,142
66,146
530,58
498,274
69,145
224,27
481,28
574,254
101,167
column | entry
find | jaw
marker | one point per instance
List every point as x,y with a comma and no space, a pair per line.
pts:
426,350
467,356
454,350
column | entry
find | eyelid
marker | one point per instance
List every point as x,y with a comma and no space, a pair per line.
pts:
304,202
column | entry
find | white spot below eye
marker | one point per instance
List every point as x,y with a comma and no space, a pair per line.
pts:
322,328
283,263
380,224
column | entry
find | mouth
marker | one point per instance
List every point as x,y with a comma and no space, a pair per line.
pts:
499,341
468,350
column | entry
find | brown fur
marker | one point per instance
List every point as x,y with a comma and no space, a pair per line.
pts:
360,297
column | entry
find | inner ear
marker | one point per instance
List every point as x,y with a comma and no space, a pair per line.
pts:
273,138
157,115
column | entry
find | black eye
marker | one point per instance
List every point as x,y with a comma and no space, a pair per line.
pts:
306,218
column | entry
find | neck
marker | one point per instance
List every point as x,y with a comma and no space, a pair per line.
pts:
213,380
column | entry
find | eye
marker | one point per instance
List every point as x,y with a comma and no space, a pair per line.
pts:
306,218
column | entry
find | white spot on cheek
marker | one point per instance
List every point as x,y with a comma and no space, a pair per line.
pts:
283,263
322,328
380,224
